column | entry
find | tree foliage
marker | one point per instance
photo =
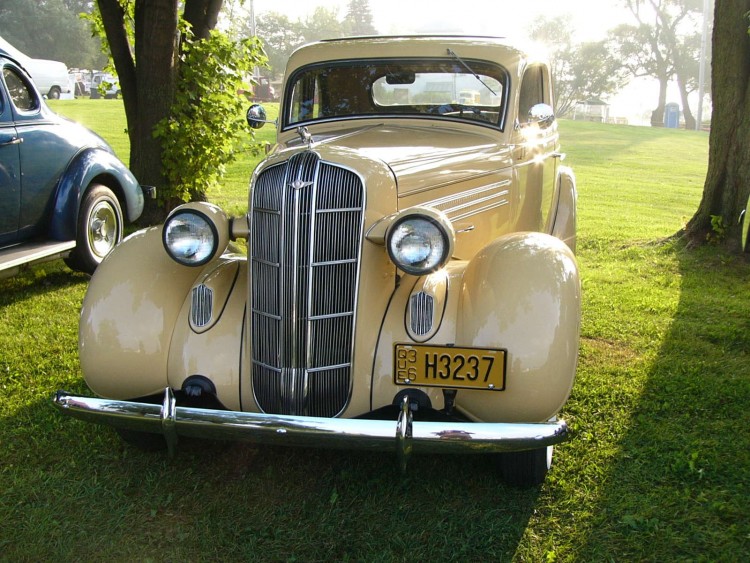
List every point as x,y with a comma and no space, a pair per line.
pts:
51,30
281,36
580,71
205,124
179,80
358,20
663,43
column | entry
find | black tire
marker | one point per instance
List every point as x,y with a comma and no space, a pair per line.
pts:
99,229
527,468
54,93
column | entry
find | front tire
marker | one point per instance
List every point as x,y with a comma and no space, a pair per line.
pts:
99,229
54,93
526,468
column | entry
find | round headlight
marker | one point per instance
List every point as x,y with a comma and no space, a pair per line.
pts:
190,238
419,244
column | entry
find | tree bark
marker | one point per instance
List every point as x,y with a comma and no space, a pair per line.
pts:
113,17
156,42
727,185
202,15
686,113
657,116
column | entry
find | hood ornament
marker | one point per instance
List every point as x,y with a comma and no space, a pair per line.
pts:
304,134
299,184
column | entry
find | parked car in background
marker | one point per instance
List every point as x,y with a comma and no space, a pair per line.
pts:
81,79
104,85
261,90
63,192
410,283
50,77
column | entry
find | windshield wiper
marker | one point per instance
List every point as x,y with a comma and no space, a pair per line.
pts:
471,70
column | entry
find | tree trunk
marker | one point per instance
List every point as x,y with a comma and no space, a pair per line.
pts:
112,18
156,43
657,116
686,113
202,15
727,186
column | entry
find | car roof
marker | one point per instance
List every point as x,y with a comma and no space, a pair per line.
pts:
4,54
497,49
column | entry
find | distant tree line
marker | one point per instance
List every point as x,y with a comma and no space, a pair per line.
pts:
663,42
281,35
52,29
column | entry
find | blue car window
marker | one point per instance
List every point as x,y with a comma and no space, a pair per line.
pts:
22,96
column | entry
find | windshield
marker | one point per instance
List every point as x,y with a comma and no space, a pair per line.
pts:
431,88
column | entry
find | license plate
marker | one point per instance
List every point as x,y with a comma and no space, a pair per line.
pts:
449,366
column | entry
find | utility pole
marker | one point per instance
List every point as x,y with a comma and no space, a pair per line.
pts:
702,64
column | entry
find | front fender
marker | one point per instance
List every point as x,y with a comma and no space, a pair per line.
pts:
87,166
129,315
522,293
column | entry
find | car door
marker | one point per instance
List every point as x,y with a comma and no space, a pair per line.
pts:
535,153
44,149
10,170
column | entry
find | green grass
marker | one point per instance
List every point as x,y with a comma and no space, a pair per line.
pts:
658,468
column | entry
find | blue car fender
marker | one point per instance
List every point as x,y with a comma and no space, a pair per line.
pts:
93,165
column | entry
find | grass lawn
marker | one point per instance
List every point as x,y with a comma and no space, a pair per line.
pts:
658,468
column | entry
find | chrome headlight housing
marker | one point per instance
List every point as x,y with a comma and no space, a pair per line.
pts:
195,233
420,240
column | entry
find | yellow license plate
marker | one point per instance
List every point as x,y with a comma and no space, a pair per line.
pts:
449,366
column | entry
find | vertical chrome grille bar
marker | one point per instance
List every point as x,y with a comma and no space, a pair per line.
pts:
306,231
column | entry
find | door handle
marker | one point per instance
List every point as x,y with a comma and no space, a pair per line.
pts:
12,141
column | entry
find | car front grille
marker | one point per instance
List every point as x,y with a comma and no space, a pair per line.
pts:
306,231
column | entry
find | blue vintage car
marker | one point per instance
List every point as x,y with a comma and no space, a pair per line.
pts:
63,192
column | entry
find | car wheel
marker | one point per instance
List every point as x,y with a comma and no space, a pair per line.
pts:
54,93
527,468
99,229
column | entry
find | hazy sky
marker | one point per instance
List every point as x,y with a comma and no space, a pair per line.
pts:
592,18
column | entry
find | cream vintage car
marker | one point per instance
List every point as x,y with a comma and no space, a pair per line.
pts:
410,282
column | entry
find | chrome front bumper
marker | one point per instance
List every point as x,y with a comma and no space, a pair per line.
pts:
403,436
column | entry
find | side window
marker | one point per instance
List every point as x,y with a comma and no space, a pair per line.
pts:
20,92
532,91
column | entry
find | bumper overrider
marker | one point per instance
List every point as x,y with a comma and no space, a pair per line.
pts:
403,436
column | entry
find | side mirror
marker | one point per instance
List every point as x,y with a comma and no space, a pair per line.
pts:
256,116
542,115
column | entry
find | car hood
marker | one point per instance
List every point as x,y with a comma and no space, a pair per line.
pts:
421,157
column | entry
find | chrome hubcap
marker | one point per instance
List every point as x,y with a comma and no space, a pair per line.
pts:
102,229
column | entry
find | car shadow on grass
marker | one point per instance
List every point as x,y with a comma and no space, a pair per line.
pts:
679,470
78,492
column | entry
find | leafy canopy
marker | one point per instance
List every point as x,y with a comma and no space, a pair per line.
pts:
206,122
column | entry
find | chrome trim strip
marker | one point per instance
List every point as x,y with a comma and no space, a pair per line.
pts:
480,210
469,201
381,435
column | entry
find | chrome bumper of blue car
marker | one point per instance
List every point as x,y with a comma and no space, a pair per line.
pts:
403,436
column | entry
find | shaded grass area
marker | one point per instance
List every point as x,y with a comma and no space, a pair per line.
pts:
658,468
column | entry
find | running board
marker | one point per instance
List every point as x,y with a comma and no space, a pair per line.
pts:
28,253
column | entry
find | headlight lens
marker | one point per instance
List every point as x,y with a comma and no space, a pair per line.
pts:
418,245
190,238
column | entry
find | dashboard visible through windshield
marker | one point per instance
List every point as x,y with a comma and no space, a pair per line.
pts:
427,88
